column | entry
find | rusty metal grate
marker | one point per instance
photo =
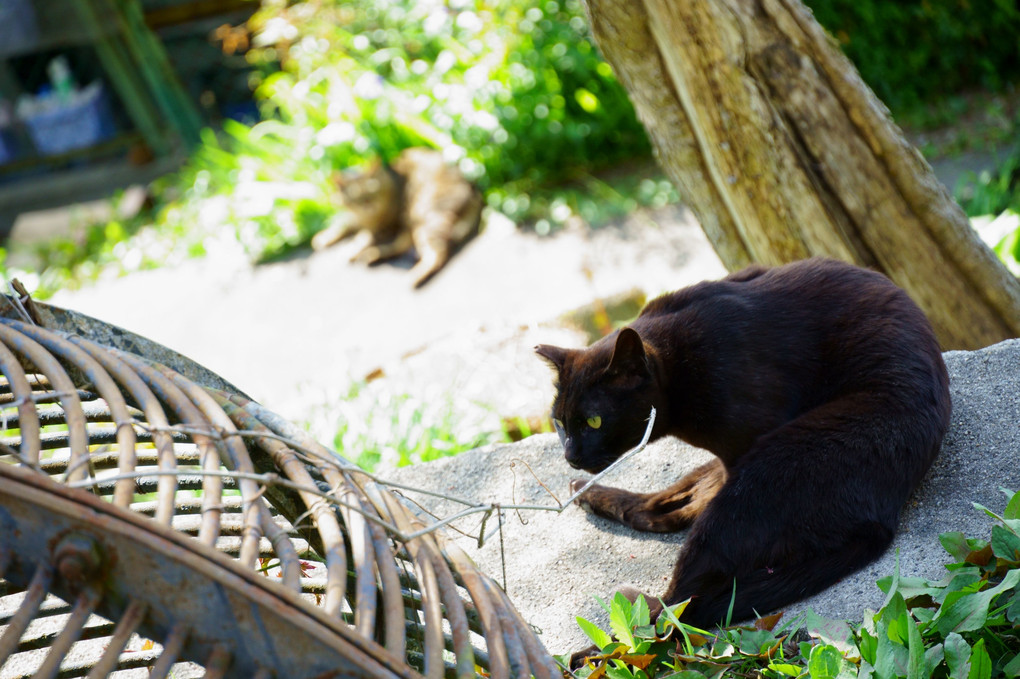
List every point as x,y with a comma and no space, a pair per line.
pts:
150,524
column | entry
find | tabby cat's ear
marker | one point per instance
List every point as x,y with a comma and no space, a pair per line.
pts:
628,354
555,355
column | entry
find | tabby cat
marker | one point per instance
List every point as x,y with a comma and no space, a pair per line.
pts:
820,389
418,201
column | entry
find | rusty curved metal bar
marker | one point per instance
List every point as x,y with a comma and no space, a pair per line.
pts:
37,589
108,390
185,411
424,547
126,626
325,520
236,458
65,389
225,602
153,412
172,646
83,608
28,419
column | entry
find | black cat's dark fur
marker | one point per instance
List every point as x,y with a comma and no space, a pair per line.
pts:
820,388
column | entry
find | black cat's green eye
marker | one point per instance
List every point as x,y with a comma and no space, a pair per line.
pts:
559,425
595,422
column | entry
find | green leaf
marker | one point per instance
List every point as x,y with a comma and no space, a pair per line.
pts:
833,632
916,666
986,510
894,614
825,662
644,632
1005,543
592,631
1013,612
1012,510
788,670
956,544
894,584
890,657
933,657
980,663
957,652
733,600
754,641
958,580
620,620
965,612
639,614
619,672
868,645
908,587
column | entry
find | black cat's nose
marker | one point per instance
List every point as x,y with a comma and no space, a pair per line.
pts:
571,455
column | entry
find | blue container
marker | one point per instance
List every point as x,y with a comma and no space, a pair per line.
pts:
84,121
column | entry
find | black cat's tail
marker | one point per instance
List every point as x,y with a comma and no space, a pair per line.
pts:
767,589
812,502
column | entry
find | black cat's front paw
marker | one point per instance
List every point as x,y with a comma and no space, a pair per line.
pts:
610,503
584,501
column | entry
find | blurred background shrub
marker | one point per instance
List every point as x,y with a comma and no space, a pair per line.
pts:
913,51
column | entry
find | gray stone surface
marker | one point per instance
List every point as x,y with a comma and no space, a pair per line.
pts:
556,562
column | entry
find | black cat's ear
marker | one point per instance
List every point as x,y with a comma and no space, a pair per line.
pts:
628,354
555,355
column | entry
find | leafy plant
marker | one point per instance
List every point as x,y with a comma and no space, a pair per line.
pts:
964,626
917,50
376,428
991,193
993,198
514,94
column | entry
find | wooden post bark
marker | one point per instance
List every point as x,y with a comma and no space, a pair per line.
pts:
783,152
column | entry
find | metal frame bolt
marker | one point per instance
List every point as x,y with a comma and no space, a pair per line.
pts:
77,558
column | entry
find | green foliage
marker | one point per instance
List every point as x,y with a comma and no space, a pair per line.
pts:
916,50
514,93
995,196
963,626
379,429
513,90
991,193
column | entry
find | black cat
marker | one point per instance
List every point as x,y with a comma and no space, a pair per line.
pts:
820,388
